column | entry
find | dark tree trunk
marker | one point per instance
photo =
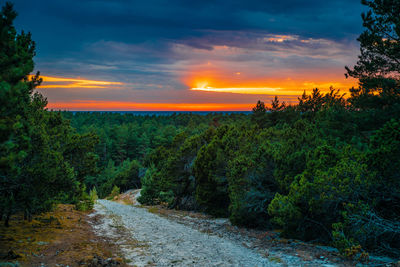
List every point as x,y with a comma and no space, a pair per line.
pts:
105,152
7,220
27,215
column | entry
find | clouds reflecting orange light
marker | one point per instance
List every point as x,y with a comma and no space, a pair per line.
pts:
60,82
206,90
243,83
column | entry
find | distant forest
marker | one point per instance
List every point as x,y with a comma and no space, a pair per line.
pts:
325,170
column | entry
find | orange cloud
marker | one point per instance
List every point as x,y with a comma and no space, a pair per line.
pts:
281,38
61,82
132,106
210,89
225,79
243,90
209,81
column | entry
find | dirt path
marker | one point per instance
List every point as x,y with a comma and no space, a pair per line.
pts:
150,240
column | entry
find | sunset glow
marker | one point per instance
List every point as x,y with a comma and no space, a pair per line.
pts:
243,90
279,87
61,82
205,95
122,106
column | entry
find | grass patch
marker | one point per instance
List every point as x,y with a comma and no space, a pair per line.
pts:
275,259
63,236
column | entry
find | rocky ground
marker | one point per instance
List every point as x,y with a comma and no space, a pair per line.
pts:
162,242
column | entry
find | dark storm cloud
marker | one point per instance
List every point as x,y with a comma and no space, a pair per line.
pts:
139,21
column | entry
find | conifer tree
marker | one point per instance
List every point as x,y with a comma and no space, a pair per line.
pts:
16,62
258,115
378,66
38,148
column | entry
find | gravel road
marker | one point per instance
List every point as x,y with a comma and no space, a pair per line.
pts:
151,240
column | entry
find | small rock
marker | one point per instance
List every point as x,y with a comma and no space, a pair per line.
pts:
97,261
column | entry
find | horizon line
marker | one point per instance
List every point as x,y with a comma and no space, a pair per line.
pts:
149,110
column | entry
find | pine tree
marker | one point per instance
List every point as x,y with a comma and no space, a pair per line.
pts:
258,115
276,105
38,149
16,62
378,66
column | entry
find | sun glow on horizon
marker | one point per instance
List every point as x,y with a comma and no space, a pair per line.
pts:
288,87
87,105
243,90
205,94
239,81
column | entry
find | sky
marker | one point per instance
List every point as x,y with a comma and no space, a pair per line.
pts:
189,55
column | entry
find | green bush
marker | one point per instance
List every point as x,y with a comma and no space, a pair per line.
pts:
149,192
212,184
251,186
114,192
84,202
167,197
93,195
333,177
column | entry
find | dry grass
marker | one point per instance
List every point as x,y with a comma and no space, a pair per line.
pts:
60,237
126,198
